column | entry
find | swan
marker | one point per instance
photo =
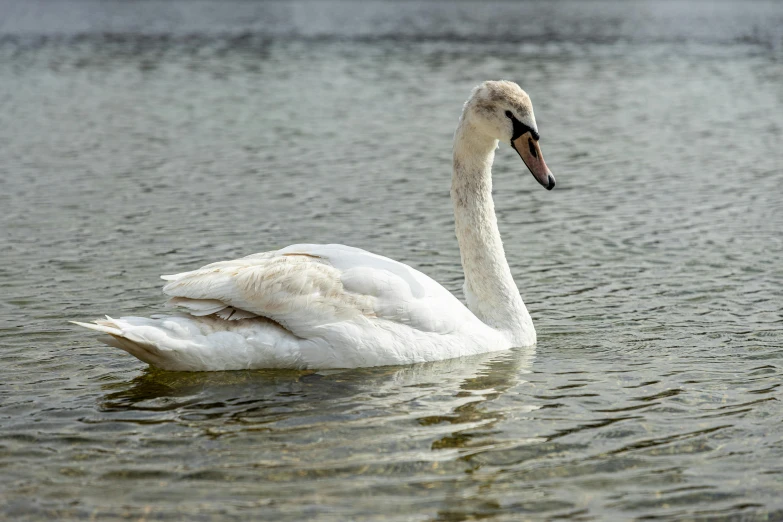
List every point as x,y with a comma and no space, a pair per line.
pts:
334,306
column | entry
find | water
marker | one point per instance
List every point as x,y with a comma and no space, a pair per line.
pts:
142,138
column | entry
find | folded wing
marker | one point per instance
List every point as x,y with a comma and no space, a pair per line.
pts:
305,288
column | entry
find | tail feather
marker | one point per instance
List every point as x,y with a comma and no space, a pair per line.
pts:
124,340
187,343
101,326
144,351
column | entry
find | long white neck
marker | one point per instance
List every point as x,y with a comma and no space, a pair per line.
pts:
490,290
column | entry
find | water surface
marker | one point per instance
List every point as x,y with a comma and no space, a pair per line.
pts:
145,138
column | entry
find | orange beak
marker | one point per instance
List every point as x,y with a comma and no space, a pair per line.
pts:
528,149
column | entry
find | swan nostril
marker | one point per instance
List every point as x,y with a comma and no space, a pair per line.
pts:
532,148
551,181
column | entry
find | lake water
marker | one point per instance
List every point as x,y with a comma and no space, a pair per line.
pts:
144,138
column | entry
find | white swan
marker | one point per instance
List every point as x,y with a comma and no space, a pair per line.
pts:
333,306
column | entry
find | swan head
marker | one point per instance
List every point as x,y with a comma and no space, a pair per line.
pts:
503,111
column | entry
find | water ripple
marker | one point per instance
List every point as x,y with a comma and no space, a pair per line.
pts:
652,272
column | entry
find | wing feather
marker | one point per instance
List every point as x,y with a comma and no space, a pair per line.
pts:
197,307
305,287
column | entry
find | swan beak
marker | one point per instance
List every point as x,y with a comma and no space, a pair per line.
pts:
528,149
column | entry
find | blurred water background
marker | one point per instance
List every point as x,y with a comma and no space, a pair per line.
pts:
146,137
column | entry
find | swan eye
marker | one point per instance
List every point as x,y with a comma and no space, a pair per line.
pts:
509,115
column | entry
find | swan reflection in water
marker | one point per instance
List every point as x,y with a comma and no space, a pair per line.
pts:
341,438
444,401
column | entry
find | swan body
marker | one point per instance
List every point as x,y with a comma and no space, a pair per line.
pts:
334,306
